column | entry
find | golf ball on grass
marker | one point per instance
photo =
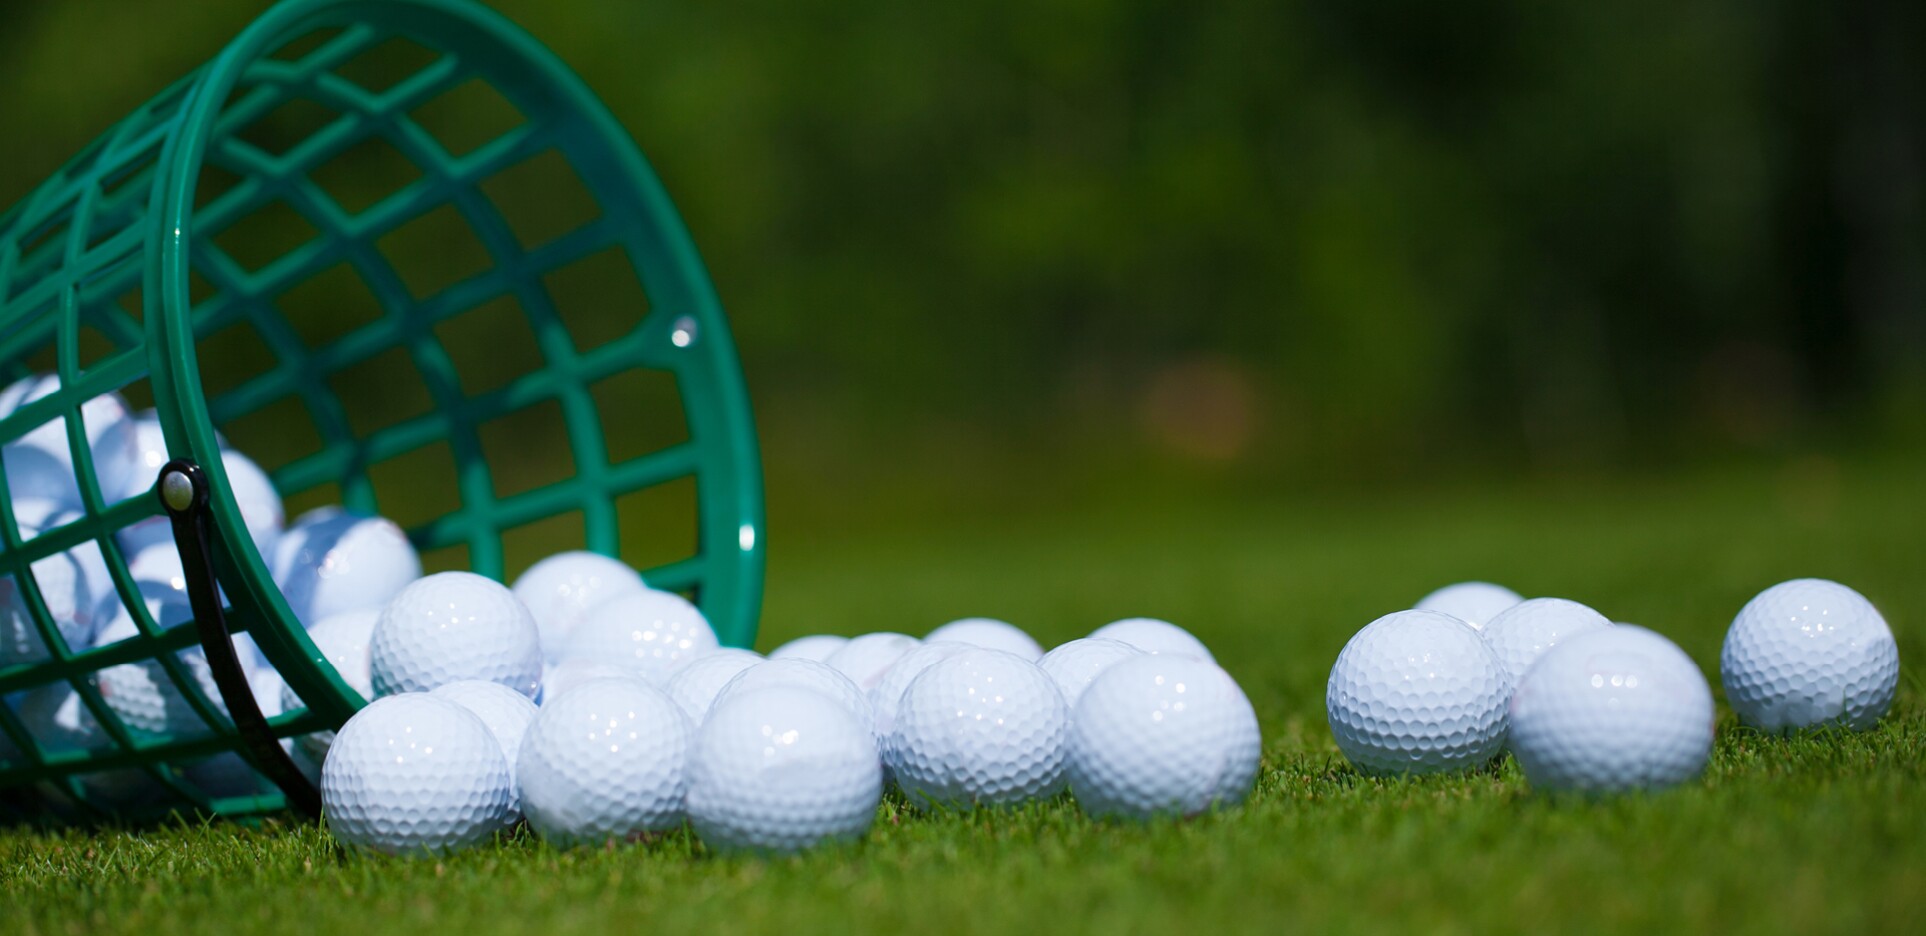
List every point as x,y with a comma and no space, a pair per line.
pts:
817,647
1417,692
696,685
506,713
801,674
451,626
1809,652
331,562
992,634
887,694
414,774
1608,710
979,728
779,770
648,631
1154,636
1471,602
1076,664
1162,734
865,659
606,760
561,589
1522,632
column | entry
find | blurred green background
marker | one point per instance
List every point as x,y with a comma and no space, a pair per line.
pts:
1017,249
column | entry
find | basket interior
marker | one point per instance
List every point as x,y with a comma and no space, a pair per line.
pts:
407,298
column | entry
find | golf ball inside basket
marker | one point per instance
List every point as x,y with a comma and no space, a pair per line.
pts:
648,631
413,773
1162,734
992,634
40,464
560,590
606,760
1613,709
450,626
979,728
781,769
1522,632
1417,692
1154,636
1471,602
343,641
1809,652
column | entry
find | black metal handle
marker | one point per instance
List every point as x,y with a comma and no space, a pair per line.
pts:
183,491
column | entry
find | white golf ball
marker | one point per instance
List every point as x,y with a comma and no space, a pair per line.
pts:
559,678
979,728
801,674
70,601
40,463
607,760
651,632
1809,652
989,633
343,641
450,626
413,774
696,685
865,659
1524,631
1417,692
1615,709
1154,636
817,647
887,694
507,714
1162,734
331,562
1076,664
779,770
1471,602
143,694
560,590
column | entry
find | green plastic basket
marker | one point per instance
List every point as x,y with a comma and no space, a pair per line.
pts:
203,214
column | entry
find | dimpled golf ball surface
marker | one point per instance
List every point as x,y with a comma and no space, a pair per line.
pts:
1524,631
451,626
413,774
816,647
560,590
979,728
506,713
887,694
990,633
1154,636
343,641
651,632
865,659
1809,652
1417,692
1076,664
607,759
1471,602
1608,710
1162,734
801,674
778,770
696,685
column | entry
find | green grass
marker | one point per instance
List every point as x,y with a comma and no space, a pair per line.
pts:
1824,832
